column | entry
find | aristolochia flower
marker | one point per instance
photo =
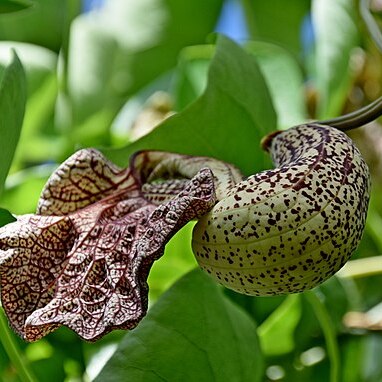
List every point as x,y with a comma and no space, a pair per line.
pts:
83,259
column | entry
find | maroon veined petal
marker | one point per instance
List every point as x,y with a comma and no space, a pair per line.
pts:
103,285
102,255
84,178
33,253
83,260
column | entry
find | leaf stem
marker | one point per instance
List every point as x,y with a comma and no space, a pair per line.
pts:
13,351
329,334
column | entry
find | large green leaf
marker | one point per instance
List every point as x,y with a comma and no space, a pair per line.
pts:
12,107
336,36
227,122
193,333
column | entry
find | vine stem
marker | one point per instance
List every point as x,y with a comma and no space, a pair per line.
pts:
13,351
329,334
357,118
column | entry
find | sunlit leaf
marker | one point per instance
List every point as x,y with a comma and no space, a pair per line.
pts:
193,333
277,331
12,106
328,330
38,62
27,182
285,82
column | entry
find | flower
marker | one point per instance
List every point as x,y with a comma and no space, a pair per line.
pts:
83,259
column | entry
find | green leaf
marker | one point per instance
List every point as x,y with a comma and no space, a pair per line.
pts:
336,36
12,107
258,308
43,24
26,182
328,330
227,122
6,217
191,74
38,62
277,21
285,82
178,259
193,333
9,6
276,333
38,140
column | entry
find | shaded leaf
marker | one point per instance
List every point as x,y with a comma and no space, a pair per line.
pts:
178,259
9,6
12,107
204,337
229,118
6,217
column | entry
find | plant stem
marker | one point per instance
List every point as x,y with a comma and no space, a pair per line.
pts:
369,266
357,118
329,334
13,351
